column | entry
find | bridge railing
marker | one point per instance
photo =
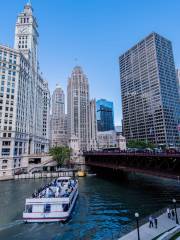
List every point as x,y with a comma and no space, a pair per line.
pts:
105,153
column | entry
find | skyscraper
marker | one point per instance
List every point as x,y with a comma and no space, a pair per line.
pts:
92,125
78,107
105,115
58,102
150,102
58,119
24,97
178,80
46,111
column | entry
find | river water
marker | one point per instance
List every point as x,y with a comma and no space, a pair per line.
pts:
104,210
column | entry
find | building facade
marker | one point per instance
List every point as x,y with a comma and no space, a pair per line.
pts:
92,125
58,119
105,115
111,139
106,139
150,102
46,111
58,102
178,80
78,107
23,105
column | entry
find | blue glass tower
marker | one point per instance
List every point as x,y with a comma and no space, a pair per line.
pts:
105,115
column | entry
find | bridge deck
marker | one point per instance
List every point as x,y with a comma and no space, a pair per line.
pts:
146,233
161,164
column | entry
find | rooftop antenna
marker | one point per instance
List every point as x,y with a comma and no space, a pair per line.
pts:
29,3
76,60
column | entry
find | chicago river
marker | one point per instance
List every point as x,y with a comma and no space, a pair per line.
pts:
104,210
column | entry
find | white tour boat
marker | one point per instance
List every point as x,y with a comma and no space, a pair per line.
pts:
52,203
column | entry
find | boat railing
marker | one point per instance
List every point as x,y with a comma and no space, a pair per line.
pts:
48,192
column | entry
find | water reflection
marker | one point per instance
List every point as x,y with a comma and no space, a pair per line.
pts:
104,210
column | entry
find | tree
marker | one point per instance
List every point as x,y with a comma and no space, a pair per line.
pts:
140,144
60,154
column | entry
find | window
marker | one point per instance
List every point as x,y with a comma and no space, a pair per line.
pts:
47,208
65,207
28,209
6,143
15,151
5,151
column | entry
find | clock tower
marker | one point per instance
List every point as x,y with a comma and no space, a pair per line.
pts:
26,35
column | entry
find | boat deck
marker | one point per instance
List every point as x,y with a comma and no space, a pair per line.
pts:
58,188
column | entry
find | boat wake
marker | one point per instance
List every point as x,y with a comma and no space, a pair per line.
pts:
11,225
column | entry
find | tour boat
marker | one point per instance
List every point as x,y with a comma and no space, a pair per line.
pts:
53,202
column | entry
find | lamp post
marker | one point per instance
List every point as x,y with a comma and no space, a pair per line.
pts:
174,201
137,222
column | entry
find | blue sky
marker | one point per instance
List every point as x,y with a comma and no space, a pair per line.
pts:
95,32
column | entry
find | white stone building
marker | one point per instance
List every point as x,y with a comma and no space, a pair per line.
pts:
110,139
24,105
106,139
58,102
58,119
120,142
78,107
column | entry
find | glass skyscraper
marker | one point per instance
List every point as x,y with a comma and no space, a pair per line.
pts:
150,102
105,115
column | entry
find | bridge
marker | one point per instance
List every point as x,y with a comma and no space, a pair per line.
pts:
116,163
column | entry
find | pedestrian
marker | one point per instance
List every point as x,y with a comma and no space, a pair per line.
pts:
168,213
150,221
173,213
155,222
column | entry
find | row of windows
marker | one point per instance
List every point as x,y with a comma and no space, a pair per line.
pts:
3,53
9,73
24,20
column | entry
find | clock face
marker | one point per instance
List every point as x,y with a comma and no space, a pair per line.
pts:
23,30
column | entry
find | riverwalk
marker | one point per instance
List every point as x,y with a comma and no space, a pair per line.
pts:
164,225
39,175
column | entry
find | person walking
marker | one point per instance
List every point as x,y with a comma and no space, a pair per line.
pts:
168,213
150,222
173,214
155,222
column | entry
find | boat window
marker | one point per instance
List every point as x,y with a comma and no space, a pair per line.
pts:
47,208
28,209
65,207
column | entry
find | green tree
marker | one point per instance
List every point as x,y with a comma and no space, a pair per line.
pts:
60,154
140,144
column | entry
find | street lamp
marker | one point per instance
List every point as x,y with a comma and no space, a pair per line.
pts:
174,201
137,222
